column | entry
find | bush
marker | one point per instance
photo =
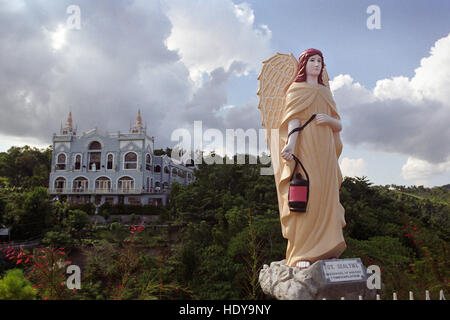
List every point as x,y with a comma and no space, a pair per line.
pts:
57,239
14,286
125,209
134,219
89,208
77,220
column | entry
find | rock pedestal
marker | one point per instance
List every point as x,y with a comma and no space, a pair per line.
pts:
324,279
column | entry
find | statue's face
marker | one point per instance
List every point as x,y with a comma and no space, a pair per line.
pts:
314,65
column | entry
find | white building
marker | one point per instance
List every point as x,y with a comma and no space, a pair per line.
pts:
101,167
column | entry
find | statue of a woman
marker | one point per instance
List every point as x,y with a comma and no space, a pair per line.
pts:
290,93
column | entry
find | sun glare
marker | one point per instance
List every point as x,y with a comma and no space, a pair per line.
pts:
57,38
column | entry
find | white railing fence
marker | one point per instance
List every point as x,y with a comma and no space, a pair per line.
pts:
411,296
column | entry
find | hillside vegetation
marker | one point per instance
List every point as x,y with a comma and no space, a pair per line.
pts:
221,229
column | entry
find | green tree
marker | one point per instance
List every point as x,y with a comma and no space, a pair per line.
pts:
58,239
77,221
29,214
26,167
14,286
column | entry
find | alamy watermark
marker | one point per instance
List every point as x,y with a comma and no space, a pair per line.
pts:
74,279
374,280
374,20
227,144
73,22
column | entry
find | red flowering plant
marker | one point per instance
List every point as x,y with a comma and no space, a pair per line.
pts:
114,267
413,233
139,277
128,262
45,268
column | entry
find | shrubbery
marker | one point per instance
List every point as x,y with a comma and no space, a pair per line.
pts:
125,209
14,286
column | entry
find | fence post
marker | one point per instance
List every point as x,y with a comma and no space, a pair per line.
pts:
441,295
360,297
427,295
378,297
411,295
394,296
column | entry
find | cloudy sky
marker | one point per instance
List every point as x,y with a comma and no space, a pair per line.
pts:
182,61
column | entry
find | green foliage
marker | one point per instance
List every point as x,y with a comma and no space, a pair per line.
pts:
125,209
223,249
26,167
381,250
127,272
161,152
77,221
134,219
228,227
89,208
28,214
48,273
14,286
56,239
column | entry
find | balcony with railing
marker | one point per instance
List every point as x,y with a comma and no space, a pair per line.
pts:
94,191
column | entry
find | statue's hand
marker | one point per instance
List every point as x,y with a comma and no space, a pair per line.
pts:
323,119
287,151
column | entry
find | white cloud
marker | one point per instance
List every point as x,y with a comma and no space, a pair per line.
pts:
432,78
7,142
396,88
401,115
420,170
353,167
215,34
116,63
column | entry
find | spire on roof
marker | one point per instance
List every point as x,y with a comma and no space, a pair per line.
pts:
68,127
138,126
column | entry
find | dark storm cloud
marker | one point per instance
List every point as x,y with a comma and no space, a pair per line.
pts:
420,130
118,61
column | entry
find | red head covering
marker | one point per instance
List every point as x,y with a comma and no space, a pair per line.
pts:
303,59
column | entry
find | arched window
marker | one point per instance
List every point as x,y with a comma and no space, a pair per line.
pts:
110,162
103,184
78,162
174,171
130,161
95,156
157,168
148,162
126,185
60,184
166,170
61,162
95,145
80,184
165,185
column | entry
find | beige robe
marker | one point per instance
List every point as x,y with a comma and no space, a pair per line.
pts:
317,233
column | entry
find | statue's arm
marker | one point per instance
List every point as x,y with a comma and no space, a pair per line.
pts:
289,148
324,119
335,124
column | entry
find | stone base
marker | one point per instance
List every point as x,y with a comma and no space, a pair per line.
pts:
289,283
